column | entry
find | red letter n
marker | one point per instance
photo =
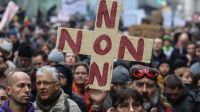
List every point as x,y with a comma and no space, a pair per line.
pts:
103,12
66,37
126,43
94,71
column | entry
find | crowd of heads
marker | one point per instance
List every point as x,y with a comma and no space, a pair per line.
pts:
32,70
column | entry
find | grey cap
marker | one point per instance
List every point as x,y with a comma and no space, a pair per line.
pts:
120,75
56,56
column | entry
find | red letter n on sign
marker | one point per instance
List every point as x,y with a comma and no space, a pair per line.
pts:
137,54
65,36
103,12
94,71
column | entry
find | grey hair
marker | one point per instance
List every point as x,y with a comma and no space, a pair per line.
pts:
48,69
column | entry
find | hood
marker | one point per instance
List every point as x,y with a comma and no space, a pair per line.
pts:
66,70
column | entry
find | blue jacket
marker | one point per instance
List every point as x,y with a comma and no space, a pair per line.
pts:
5,107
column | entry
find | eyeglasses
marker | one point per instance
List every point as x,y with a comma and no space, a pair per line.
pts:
45,83
141,71
83,73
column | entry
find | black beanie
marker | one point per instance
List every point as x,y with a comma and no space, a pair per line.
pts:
180,62
162,61
24,50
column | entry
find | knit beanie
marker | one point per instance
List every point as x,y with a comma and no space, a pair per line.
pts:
56,56
5,45
120,75
24,50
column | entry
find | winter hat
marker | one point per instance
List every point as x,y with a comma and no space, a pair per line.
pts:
5,45
162,61
167,37
180,62
56,56
24,50
120,75
12,31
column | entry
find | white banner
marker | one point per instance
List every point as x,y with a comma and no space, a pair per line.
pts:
71,7
11,10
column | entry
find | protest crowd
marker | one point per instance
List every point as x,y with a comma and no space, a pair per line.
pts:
36,77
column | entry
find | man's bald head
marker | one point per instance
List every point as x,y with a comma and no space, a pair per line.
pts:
14,76
18,88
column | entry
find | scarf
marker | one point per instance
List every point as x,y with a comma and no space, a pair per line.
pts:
46,105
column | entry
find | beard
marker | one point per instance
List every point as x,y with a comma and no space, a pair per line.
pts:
152,101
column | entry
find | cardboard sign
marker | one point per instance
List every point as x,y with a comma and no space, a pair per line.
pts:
146,30
104,44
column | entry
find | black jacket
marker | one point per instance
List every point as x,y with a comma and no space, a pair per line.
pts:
184,104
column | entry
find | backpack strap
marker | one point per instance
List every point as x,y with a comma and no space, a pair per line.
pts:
66,102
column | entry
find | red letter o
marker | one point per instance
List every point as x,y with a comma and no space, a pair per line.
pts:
97,46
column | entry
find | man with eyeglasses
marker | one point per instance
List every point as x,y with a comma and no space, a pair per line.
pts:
18,88
145,82
50,97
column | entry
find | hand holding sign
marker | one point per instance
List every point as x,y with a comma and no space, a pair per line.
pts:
104,44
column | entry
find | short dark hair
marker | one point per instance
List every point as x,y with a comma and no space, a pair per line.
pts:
42,53
124,94
195,80
25,50
81,64
197,46
173,81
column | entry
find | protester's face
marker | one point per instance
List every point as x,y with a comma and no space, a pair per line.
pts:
118,86
198,53
20,90
187,78
63,80
2,63
80,75
1,56
157,45
38,61
145,87
166,43
129,106
198,84
191,49
46,86
25,62
173,94
164,69
13,38
45,49
3,96
70,58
